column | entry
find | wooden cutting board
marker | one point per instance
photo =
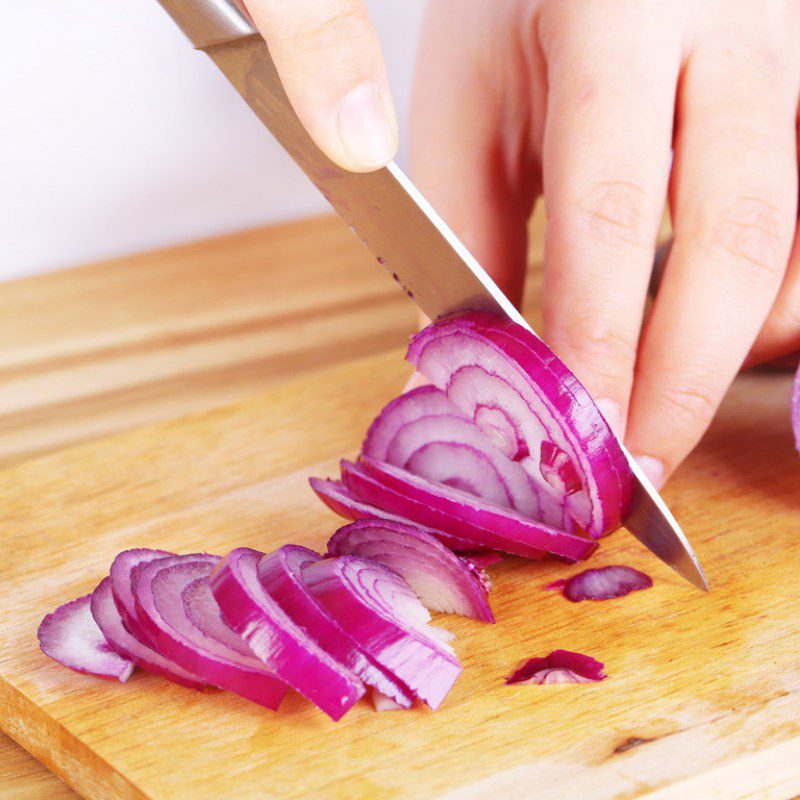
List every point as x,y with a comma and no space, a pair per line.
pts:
702,698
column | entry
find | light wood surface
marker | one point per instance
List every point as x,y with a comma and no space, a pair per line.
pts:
702,698
97,349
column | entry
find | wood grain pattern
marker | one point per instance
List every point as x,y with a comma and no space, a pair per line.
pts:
703,689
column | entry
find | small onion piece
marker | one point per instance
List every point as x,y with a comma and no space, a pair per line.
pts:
108,619
177,609
522,396
70,636
382,702
347,504
795,405
282,645
561,666
461,514
380,611
603,583
281,574
442,580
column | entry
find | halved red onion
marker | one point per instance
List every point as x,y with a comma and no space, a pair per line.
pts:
121,572
525,399
561,666
70,636
442,580
459,513
347,504
424,433
281,574
283,646
108,619
603,583
795,406
177,610
381,612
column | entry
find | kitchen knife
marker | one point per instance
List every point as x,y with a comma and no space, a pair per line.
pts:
390,216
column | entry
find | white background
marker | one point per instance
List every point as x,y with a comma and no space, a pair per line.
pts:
116,136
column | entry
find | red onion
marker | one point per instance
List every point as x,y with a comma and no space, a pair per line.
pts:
281,573
121,573
282,645
346,504
442,580
108,619
456,512
604,583
482,559
381,612
71,636
521,396
177,610
795,405
424,433
561,666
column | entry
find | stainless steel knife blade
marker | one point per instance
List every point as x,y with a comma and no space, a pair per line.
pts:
390,216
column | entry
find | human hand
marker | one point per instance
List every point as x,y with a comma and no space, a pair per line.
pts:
330,63
583,100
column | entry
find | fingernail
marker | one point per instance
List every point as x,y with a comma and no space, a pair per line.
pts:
653,468
612,414
368,137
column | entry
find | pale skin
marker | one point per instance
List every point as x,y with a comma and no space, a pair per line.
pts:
584,102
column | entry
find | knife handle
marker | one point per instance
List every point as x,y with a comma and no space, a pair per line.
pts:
210,22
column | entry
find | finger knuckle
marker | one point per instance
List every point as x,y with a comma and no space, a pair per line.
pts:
346,26
619,213
751,233
686,402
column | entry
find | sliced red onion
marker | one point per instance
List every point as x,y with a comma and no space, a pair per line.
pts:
380,611
70,636
121,584
108,619
281,574
604,583
561,666
282,645
483,559
176,608
382,702
795,405
347,504
447,509
424,433
523,398
442,580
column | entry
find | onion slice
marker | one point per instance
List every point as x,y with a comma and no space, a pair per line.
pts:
442,580
525,399
178,611
461,514
561,666
108,619
347,504
281,574
70,636
281,644
423,432
380,611
603,583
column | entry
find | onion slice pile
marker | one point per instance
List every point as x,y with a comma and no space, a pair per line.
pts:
281,574
561,666
442,580
603,583
71,636
380,611
180,616
287,650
